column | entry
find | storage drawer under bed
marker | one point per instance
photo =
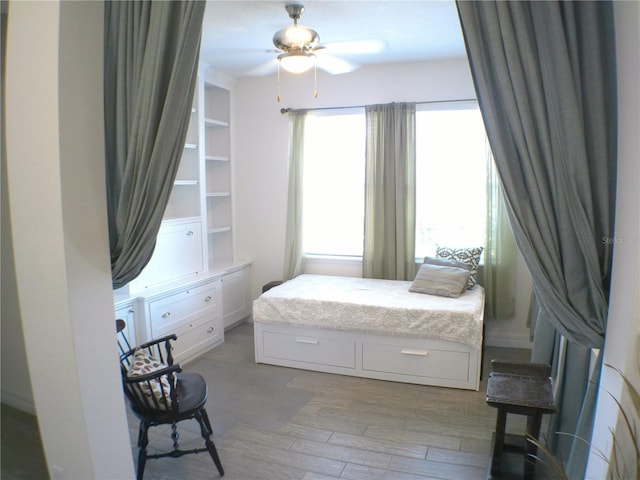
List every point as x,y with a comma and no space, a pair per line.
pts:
310,349
384,357
420,362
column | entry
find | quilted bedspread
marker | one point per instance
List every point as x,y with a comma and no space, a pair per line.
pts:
373,306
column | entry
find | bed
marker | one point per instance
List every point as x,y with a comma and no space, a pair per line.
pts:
371,328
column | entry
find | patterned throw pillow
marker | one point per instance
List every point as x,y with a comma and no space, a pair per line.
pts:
144,363
470,256
441,280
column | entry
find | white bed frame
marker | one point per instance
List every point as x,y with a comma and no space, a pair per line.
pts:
402,359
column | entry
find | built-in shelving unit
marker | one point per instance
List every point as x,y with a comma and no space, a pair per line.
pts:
218,194
193,278
183,203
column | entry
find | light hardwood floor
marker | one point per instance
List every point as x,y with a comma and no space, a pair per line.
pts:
279,423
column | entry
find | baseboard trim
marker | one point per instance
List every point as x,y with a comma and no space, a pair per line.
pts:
19,402
508,341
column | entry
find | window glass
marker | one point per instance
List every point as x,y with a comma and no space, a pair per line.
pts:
333,185
451,159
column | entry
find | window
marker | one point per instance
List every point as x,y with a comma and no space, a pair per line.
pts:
333,182
450,179
451,170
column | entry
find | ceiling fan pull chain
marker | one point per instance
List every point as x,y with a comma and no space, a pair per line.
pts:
278,82
315,77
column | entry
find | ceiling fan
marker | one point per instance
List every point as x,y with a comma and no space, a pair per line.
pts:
299,49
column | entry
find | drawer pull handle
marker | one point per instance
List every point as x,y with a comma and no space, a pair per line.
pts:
210,329
189,233
208,299
166,315
310,341
419,353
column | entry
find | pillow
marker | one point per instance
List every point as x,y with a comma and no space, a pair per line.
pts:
441,280
445,262
470,256
143,364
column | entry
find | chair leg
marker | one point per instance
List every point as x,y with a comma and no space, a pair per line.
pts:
207,423
143,441
206,431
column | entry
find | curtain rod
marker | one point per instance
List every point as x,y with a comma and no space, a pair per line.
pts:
287,110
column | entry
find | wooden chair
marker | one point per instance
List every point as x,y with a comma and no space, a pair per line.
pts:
160,393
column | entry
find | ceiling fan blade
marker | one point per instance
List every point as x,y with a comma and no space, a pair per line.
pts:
263,69
334,65
355,47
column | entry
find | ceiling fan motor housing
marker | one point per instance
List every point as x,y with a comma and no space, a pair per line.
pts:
296,38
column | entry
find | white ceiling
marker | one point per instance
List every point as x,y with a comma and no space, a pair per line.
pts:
237,34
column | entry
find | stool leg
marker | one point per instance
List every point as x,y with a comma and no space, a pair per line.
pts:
531,450
498,446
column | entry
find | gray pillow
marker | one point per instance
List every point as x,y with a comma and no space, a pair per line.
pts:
470,256
445,262
441,280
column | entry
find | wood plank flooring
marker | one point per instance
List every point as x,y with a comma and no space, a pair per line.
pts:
279,423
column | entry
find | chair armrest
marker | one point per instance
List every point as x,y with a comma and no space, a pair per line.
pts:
521,368
169,369
157,341
165,357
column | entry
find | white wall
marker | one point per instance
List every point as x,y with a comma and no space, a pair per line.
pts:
55,164
622,344
260,139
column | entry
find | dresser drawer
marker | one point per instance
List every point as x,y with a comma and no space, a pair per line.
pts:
196,336
310,349
420,362
170,313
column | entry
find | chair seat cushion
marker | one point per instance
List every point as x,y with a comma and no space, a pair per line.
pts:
192,391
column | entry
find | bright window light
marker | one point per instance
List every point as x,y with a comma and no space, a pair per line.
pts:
451,161
333,210
451,169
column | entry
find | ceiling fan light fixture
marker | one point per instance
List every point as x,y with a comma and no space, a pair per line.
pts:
296,37
297,62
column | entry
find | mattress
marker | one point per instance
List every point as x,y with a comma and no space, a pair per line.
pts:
373,306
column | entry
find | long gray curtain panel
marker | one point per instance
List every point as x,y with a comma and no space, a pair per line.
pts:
151,62
544,74
293,255
390,192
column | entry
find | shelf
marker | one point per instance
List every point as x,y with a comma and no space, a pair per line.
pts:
218,230
219,194
190,146
210,122
186,182
216,158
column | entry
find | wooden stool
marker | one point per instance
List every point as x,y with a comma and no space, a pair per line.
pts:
521,389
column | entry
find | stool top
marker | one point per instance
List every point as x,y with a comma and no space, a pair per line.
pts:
520,390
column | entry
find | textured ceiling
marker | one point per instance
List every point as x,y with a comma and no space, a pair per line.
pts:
237,34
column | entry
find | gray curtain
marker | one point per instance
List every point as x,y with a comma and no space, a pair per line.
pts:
293,238
499,251
151,62
544,74
390,192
